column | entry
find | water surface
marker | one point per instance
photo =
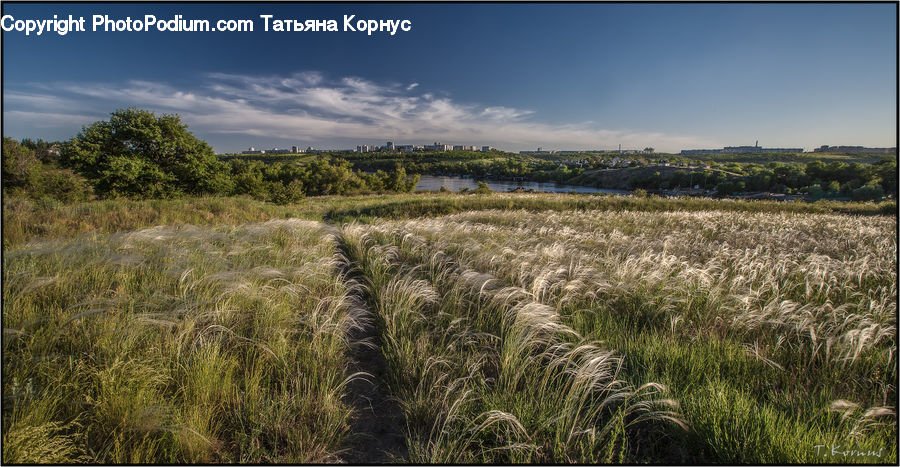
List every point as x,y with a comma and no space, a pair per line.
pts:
433,183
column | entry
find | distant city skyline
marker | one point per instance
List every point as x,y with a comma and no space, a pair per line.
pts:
512,76
405,147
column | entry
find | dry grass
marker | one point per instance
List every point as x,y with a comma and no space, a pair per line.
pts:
577,329
176,344
769,316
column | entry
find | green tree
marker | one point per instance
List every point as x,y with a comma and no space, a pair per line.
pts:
727,188
138,154
815,192
25,175
248,178
886,169
286,193
334,178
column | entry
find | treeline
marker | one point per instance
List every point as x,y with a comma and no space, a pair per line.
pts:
767,157
474,164
288,182
816,179
139,155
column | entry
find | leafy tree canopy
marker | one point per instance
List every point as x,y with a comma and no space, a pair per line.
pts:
138,154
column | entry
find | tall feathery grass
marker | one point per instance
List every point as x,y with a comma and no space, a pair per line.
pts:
515,328
176,344
26,219
486,374
756,322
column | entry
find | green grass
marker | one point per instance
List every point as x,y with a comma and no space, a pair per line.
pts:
176,344
516,328
702,303
485,374
25,220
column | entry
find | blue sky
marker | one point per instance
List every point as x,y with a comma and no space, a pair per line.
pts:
514,76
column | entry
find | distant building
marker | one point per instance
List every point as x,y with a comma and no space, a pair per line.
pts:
486,149
281,151
540,150
854,149
292,150
755,149
438,147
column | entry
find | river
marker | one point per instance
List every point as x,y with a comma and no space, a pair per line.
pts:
434,183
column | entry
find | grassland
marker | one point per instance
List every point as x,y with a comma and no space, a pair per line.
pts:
513,328
775,332
176,344
25,219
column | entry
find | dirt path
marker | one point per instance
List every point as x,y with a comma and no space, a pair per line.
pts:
378,428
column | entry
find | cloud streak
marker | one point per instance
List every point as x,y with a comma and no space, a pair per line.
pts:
311,109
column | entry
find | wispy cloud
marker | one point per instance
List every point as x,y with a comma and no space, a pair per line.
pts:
50,119
311,109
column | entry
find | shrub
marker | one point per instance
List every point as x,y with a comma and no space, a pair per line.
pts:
63,185
19,164
482,189
286,193
25,175
868,193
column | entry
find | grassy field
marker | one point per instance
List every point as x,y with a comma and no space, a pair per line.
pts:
176,344
25,219
511,328
775,332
